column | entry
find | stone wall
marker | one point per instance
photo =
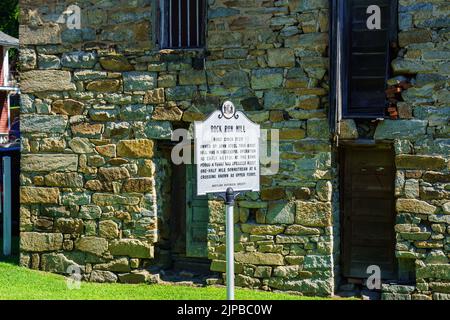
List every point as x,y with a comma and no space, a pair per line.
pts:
88,195
97,100
283,236
422,147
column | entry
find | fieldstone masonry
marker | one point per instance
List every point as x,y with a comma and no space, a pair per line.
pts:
422,148
96,101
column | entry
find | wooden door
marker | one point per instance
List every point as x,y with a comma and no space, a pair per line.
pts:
367,199
197,216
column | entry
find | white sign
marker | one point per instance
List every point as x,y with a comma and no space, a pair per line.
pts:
227,152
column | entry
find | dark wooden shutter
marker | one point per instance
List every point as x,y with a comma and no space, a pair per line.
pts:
369,59
364,57
368,211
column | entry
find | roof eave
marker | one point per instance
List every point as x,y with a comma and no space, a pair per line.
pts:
8,44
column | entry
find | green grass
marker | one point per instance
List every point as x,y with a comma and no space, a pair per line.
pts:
14,249
17,283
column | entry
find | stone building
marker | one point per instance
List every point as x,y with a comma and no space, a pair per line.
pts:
359,96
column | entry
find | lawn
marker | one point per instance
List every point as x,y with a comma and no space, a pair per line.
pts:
17,283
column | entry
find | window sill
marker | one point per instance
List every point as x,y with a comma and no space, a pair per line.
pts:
363,117
184,51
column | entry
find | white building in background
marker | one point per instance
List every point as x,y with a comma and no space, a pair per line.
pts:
8,85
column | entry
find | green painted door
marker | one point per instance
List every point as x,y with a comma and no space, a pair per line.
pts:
197,215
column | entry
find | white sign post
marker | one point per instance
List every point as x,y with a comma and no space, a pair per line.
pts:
227,157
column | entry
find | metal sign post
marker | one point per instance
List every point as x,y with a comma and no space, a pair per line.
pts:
229,204
229,197
227,156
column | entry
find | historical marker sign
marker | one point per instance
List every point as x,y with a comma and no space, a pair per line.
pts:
227,152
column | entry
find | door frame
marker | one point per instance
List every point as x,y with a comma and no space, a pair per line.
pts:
341,150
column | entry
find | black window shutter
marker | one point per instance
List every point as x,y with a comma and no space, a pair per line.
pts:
157,28
365,57
369,60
